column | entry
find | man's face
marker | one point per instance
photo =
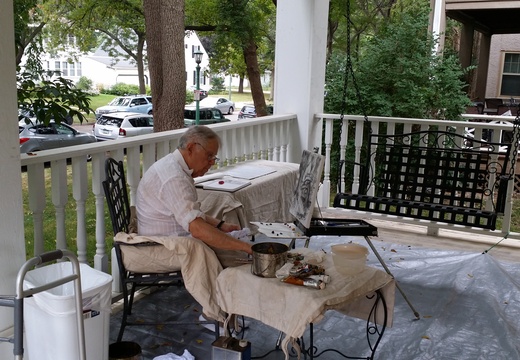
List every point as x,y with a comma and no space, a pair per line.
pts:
203,157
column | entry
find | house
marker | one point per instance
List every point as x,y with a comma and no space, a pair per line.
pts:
503,79
106,71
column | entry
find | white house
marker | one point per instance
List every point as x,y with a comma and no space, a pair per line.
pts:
105,71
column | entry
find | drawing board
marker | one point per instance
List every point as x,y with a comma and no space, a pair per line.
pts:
304,196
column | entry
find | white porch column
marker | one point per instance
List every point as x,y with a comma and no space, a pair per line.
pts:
12,245
299,83
438,23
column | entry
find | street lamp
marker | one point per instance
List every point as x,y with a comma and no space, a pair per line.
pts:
198,58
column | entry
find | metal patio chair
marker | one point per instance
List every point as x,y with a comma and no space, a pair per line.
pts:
119,208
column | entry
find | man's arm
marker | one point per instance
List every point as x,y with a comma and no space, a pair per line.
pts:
209,234
225,227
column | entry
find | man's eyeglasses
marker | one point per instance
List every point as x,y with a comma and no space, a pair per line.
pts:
210,157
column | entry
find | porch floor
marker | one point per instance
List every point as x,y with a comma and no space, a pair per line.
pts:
469,304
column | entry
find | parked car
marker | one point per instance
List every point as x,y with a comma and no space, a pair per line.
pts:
133,103
28,115
203,93
206,116
249,111
224,105
122,124
37,136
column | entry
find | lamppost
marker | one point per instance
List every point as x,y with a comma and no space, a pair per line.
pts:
198,58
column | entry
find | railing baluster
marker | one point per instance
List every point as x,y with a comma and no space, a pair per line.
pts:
80,193
59,199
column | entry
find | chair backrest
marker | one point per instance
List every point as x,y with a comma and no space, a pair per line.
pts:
117,195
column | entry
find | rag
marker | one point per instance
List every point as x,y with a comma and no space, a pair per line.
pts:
185,356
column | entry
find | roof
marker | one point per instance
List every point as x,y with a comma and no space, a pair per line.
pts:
488,17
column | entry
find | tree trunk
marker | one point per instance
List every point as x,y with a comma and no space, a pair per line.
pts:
241,84
140,65
164,20
253,73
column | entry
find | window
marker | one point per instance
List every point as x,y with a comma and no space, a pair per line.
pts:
64,70
78,69
72,70
57,66
511,75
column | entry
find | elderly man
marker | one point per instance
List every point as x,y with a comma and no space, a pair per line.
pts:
167,205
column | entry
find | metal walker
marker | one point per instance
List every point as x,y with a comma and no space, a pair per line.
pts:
16,301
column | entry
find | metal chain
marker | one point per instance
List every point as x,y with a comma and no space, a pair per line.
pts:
349,69
516,141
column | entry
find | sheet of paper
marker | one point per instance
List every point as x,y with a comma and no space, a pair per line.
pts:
249,172
279,230
226,184
212,176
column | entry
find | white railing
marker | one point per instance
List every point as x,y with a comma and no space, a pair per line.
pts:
271,138
352,130
264,138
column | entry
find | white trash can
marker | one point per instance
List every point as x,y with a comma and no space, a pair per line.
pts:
49,316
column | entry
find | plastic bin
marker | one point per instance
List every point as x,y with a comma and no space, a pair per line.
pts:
49,316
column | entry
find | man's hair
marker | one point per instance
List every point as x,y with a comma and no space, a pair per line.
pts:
198,134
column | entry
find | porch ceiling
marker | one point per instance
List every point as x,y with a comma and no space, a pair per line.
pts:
488,17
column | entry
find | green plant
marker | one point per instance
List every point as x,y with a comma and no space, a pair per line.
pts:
123,89
84,83
217,84
51,99
189,96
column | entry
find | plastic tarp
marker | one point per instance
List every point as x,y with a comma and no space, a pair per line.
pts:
469,304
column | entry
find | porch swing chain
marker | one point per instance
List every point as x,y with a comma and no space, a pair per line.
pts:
516,139
349,70
510,176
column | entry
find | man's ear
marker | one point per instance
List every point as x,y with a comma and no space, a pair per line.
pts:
190,147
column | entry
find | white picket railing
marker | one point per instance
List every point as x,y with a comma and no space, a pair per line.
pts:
270,137
264,138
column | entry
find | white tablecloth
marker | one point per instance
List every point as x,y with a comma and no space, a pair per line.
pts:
291,308
266,199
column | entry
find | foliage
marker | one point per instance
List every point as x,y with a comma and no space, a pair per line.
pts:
121,89
398,75
28,27
51,98
190,97
117,26
84,83
241,38
217,84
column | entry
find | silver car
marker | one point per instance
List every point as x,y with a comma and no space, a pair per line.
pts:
132,103
224,105
122,124
38,136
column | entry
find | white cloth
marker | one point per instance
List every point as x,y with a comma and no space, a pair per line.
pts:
185,356
291,308
198,263
166,200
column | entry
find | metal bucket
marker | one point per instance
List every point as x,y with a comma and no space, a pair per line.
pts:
124,350
268,257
